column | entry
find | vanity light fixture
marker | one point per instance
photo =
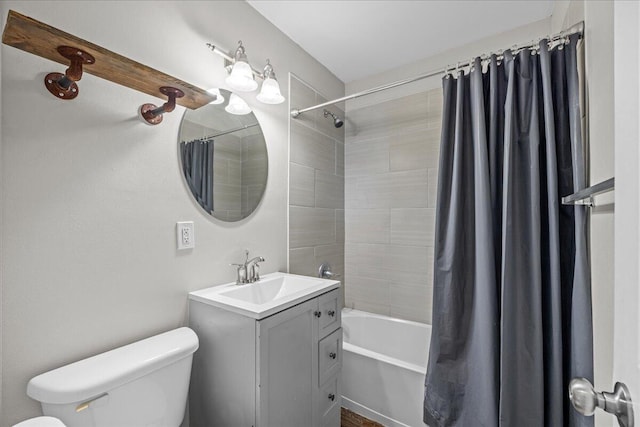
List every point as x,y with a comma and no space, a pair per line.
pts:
242,75
216,92
270,91
237,106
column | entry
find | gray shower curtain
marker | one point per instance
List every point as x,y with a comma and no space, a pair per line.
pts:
512,292
197,166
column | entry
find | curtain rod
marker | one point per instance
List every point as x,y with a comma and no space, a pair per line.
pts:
205,138
575,29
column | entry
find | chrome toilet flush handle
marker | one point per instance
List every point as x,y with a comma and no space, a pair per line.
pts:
85,405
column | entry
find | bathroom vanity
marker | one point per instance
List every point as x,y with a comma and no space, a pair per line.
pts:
270,353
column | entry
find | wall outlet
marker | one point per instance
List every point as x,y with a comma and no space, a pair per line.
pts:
186,235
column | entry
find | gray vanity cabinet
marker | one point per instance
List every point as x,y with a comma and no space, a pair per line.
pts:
280,371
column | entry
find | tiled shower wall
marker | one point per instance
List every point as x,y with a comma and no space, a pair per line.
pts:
391,162
316,186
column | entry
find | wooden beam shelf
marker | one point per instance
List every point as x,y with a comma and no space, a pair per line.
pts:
40,39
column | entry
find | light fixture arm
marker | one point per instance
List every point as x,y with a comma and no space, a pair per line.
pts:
231,58
240,54
268,72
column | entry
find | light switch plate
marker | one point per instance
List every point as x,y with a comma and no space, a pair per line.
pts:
186,235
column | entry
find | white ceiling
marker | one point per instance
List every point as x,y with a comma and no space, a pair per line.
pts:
355,39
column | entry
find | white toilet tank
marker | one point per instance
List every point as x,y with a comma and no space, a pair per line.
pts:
140,384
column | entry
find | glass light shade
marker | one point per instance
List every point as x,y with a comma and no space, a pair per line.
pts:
241,77
219,98
270,92
237,106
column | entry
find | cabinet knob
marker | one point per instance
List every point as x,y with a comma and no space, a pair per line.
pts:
332,355
332,397
317,313
331,313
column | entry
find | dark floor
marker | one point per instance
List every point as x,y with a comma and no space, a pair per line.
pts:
351,419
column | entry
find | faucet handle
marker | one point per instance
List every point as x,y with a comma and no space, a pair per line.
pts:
325,272
241,274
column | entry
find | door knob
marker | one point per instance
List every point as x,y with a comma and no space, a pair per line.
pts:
586,400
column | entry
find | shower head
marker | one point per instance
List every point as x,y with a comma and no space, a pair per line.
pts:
337,121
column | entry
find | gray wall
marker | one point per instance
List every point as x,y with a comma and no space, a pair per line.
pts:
91,195
391,169
316,180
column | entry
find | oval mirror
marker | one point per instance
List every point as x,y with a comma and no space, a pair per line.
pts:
223,157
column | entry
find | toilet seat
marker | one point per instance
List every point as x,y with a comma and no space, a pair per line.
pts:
40,422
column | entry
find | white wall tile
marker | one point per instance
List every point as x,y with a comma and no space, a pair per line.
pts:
368,290
432,182
413,151
329,190
316,231
410,302
302,261
367,225
301,185
366,158
311,148
391,166
311,227
413,227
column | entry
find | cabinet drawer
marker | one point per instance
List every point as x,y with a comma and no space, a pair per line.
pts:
329,356
330,306
329,402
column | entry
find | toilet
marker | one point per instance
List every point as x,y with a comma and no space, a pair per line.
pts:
40,422
140,384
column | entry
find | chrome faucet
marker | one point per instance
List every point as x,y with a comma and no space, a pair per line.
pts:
249,271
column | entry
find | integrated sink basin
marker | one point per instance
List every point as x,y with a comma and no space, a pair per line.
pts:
271,294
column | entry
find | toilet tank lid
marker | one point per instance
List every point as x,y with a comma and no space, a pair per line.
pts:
87,378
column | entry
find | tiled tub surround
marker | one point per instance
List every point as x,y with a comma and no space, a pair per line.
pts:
391,169
316,186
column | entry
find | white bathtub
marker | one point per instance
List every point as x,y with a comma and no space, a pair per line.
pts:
384,365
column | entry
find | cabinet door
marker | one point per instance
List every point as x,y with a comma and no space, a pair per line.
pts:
330,305
287,365
329,356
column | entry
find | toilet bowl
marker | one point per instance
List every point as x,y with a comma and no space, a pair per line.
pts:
140,384
40,422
